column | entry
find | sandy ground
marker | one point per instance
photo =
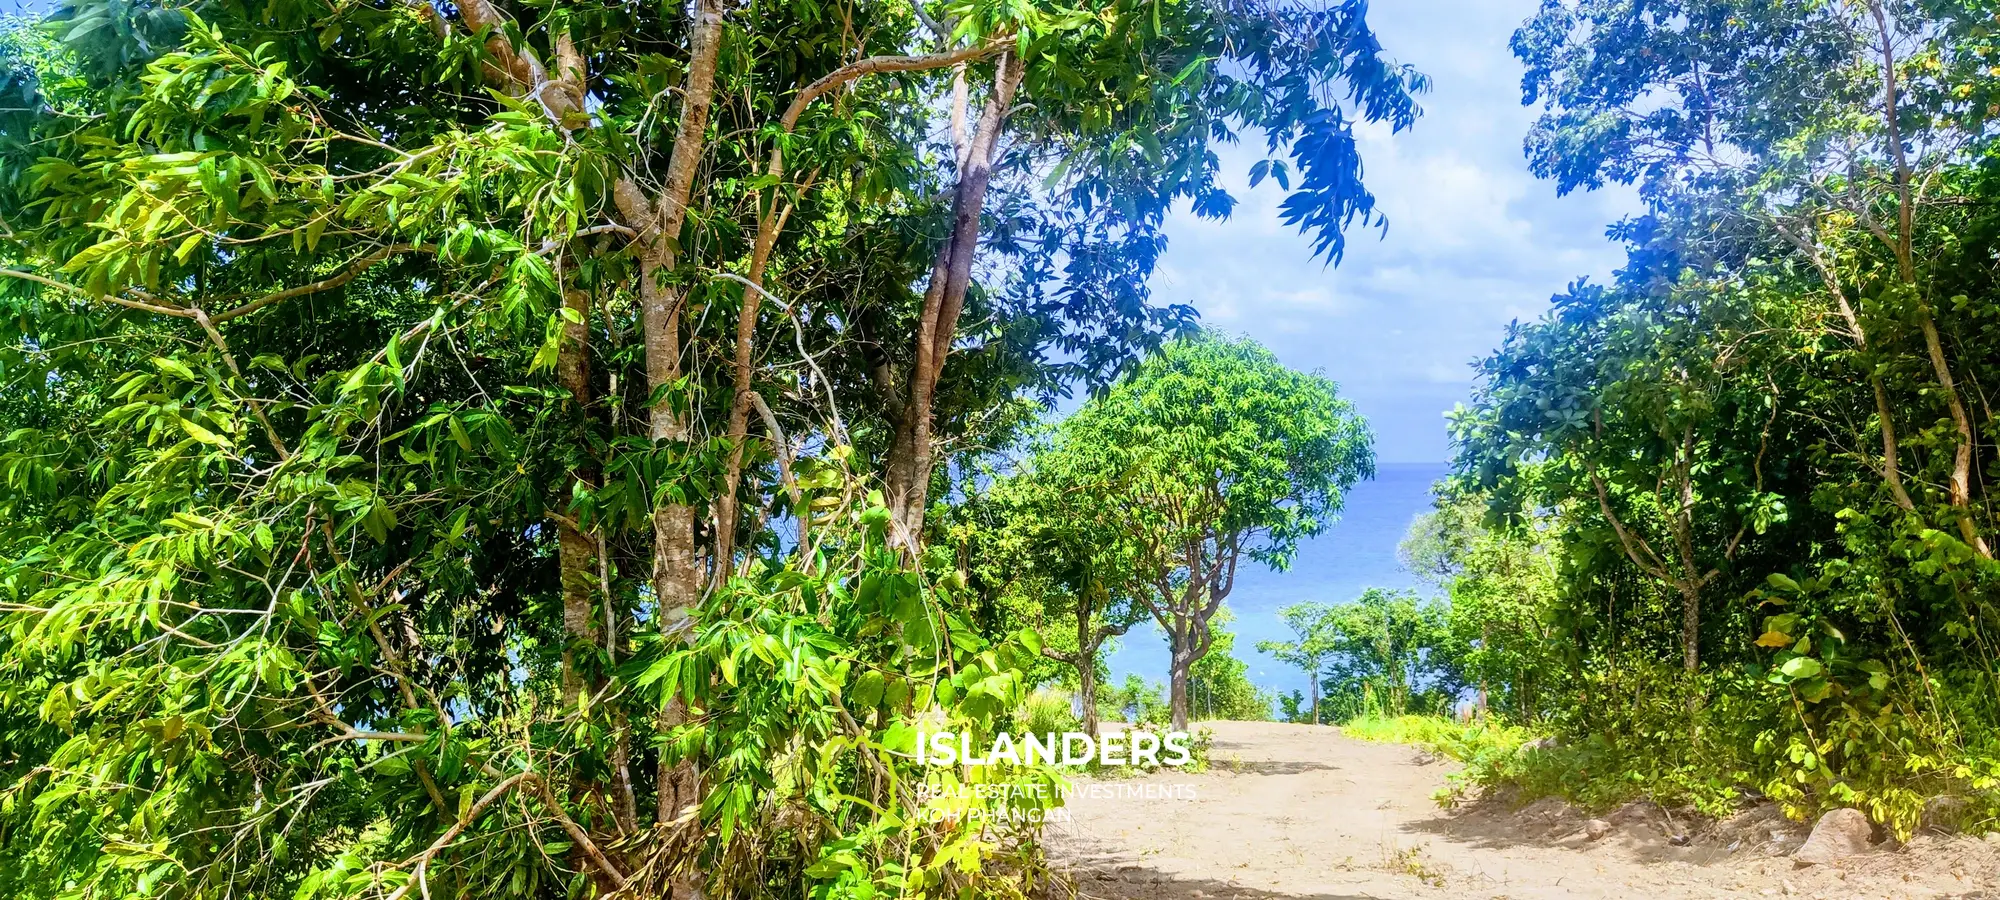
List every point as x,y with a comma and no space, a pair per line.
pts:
1301,811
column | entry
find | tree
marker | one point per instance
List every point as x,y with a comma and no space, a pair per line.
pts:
1045,553
1313,623
1214,452
1384,645
1638,394
1501,582
1834,125
1219,685
1125,116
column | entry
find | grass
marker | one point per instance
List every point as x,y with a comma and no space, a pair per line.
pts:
1490,750
1467,742
1593,774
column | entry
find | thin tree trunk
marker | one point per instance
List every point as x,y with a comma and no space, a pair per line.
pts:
908,475
577,552
1312,692
739,407
676,574
1891,469
1178,670
1086,681
769,225
1961,464
1690,627
1904,248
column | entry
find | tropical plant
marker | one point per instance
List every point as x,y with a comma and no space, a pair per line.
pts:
1314,644
1212,452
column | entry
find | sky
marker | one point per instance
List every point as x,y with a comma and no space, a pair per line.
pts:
1474,240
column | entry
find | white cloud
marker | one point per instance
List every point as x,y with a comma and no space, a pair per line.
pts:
1474,240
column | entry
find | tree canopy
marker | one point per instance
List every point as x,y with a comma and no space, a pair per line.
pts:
1211,453
1741,486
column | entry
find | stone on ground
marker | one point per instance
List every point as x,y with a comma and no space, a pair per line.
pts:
1839,834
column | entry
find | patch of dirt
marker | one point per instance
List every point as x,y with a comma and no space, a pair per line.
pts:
1302,811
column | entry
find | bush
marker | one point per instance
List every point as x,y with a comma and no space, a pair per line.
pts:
1136,701
1048,711
1711,744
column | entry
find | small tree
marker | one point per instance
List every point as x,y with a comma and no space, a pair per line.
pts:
1388,642
1212,451
1219,685
1312,623
1041,546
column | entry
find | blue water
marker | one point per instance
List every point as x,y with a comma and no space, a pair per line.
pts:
1357,553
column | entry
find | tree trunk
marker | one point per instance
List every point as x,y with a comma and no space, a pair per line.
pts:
1903,246
1312,692
577,552
1961,464
1690,627
1178,670
1086,661
676,574
908,470
726,507
1086,681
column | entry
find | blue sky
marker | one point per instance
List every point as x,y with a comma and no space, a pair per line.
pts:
1474,240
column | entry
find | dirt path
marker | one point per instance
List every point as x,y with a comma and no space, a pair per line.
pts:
1301,811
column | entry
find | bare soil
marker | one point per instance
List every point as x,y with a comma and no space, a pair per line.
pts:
1303,811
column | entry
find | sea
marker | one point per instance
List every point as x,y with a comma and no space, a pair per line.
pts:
1358,552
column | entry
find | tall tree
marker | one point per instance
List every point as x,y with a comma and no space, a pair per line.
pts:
1122,118
1832,124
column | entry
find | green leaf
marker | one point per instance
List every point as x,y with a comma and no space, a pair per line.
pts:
1800,667
203,435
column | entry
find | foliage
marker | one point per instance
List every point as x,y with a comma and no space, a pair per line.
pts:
1219,684
1740,493
1314,644
382,509
1210,453
1500,583
1038,534
1047,712
1389,655
1135,700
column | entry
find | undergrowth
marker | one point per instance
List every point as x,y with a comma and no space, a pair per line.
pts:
1717,765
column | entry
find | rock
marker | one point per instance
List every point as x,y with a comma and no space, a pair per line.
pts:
1839,834
1679,840
1423,758
1944,814
1596,829
1540,744
1993,837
